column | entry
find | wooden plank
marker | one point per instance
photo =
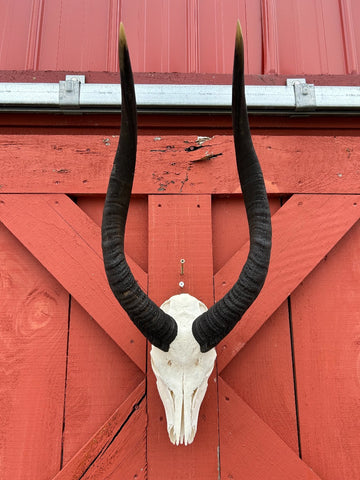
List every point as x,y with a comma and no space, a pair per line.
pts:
136,234
117,450
249,448
67,243
325,314
230,226
33,347
100,376
180,227
81,164
304,231
262,375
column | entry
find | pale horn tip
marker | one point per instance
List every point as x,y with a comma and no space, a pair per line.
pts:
239,39
122,37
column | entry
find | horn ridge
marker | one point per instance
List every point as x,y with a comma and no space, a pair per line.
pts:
157,326
212,326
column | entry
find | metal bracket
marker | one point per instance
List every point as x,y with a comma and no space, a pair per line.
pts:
304,93
69,91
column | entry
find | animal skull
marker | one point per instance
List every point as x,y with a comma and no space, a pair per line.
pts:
182,372
183,332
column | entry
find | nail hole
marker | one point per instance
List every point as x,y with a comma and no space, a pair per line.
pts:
159,204
198,206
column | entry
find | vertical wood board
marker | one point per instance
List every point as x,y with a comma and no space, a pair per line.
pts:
326,325
180,228
100,376
33,349
262,375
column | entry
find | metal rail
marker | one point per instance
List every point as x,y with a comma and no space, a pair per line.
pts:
74,95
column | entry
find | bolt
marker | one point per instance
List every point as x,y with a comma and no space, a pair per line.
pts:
181,284
182,261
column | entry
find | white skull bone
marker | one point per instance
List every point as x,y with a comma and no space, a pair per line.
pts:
182,373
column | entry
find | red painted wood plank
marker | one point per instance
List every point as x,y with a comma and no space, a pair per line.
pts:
180,227
33,347
230,227
81,164
304,231
100,376
117,450
66,242
249,448
325,313
136,235
262,375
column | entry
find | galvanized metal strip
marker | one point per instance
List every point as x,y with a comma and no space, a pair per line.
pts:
174,98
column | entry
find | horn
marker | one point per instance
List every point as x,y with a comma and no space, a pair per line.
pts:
212,326
158,327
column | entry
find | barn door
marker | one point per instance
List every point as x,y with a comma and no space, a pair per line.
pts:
79,383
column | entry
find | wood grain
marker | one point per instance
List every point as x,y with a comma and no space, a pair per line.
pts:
325,315
117,450
81,164
33,348
305,229
249,449
180,227
67,243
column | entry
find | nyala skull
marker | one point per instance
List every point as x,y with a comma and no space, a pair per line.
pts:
182,372
183,332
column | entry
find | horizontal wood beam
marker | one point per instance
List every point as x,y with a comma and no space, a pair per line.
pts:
180,164
67,242
305,229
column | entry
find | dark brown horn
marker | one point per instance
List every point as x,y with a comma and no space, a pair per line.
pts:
158,327
212,326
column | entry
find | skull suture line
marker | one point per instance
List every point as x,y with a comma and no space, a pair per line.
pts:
183,332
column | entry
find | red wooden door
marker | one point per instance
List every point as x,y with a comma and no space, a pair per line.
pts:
78,396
